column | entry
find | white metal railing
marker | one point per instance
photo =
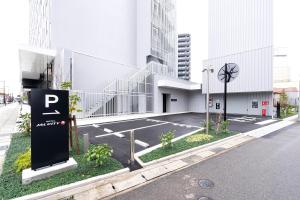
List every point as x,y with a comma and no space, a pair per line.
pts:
113,104
130,95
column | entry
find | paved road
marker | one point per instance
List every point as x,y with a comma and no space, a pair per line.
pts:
8,116
264,169
153,127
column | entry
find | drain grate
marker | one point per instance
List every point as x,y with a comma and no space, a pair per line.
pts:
206,184
204,198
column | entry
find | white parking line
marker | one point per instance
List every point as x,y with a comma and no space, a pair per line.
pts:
104,135
107,130
96,126
175,124
140,128
141,143
129,120
119,135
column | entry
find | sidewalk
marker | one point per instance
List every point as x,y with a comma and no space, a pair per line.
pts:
8,116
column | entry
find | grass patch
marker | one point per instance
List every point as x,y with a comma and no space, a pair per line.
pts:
284,115
11,182
189,142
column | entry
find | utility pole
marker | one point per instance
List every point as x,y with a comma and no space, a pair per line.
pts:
299,103
208,70
225,93
4,96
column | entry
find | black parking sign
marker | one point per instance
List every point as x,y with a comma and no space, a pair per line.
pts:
49,127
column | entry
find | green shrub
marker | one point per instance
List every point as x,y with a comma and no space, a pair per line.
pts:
166,139
224,127
23,161
210,127
25,126
99,153
74,99
199,138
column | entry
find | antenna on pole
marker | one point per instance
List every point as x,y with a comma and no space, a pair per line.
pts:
227,73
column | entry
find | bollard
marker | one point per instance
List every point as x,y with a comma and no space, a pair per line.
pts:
86,143
132,147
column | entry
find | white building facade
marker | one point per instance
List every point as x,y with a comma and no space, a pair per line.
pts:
241,32
113,52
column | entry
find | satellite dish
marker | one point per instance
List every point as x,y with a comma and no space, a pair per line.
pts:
232,72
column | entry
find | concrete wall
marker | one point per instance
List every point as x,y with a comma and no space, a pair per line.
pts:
241,32
242,103
181,105
93,74
255,72
104,29
197,101
239,25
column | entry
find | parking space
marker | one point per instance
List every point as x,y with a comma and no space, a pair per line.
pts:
148,130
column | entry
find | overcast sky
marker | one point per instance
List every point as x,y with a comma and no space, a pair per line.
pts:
191,18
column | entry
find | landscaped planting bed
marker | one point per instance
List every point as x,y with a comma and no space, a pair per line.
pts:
10,181
189,142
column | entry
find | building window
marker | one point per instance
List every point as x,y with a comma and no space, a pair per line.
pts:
155,33
156,8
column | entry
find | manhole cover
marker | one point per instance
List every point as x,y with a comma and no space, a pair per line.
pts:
205,183
204,198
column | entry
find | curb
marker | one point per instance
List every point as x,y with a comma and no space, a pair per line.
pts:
65,188
188,151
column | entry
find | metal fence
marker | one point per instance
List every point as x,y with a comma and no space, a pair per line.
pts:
131,95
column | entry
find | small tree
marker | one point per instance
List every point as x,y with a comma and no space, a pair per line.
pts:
73,108
99,153
283,99
224,127
208,125
25,126
166,139
73,98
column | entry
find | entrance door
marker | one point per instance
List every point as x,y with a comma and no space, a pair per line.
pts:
164,103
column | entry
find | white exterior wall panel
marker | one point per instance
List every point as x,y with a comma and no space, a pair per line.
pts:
239,25
104,29
241,32
255,74
242,103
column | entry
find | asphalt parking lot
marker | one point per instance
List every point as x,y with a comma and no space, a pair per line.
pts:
148,130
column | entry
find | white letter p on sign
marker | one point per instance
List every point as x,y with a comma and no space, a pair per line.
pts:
48,101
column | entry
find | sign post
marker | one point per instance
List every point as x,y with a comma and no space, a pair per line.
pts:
227,74
49,127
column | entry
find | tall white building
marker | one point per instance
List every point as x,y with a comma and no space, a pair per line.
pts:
120,55
241,32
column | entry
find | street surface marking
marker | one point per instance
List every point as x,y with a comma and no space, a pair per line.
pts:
107,130
140,128
104,135
141,143
96,126
243,119
266,122
175,124
119,135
